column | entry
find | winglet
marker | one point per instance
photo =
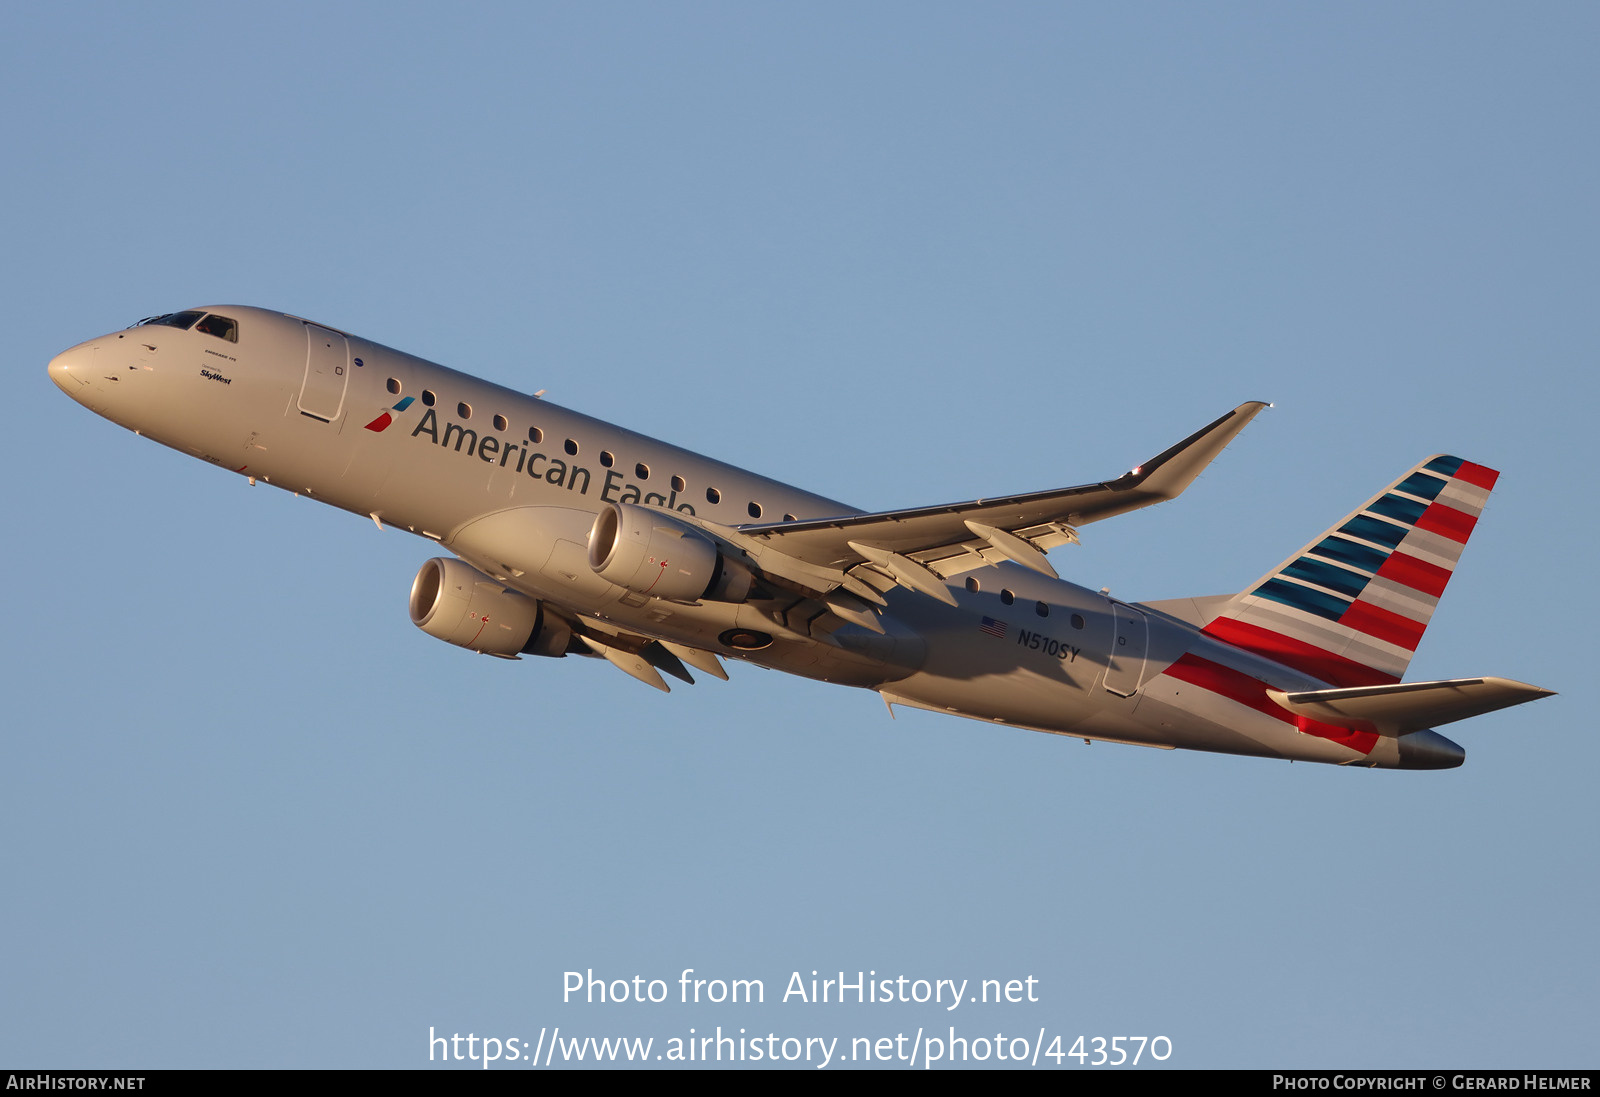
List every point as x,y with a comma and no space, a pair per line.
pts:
1170,471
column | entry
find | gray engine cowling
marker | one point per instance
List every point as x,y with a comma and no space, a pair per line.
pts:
457,603
649,552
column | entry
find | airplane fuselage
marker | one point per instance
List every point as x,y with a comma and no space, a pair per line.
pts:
512,484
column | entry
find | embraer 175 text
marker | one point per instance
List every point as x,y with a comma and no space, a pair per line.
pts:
576,537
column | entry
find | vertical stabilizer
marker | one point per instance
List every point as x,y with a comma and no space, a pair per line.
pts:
1350,607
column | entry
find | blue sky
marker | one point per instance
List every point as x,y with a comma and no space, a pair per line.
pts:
897,255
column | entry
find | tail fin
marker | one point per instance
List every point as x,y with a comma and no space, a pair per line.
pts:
1350,607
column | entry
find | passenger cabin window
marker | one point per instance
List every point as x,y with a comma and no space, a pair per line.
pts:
535,435
1006,597
394,387
642,471
678,484
220,326
428,397
606,459
572,448
754,509
713,495
972,584
500,422
464,410
1041,609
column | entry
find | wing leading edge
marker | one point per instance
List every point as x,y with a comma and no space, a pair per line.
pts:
957,537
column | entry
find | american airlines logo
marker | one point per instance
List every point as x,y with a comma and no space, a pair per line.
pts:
381,423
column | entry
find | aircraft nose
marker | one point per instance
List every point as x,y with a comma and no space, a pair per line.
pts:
71,369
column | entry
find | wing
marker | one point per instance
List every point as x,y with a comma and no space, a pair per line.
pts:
920,546
846,564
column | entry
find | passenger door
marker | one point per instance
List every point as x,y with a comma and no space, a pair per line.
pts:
327,374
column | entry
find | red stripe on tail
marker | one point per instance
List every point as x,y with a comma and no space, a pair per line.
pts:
1389,627
1477,475
1323,665
1238,686
1447,522
1419,575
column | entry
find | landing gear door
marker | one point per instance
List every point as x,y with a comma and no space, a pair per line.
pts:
327,374
1127,650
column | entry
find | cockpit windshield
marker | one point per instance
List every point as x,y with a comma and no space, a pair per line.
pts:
173,319
220,326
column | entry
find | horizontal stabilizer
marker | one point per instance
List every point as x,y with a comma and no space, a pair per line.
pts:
1404,707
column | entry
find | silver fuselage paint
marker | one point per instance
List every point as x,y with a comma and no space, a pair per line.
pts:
303,407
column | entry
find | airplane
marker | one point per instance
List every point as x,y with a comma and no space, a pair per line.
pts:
571,536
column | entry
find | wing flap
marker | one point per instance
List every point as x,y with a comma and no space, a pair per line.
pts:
643,657
631,663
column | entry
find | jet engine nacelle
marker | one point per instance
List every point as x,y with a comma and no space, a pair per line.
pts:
459,604
650,552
